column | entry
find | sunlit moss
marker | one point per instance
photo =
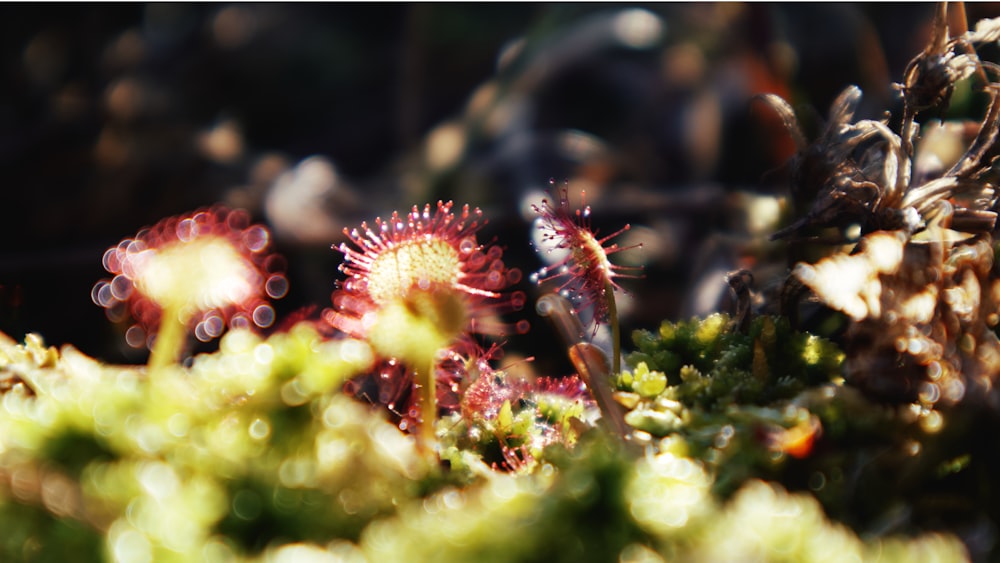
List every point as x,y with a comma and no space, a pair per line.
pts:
707,363
647,383
670,495
32,533
765,523
253,454
573,509
158,459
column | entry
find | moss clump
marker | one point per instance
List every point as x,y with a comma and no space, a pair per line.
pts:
253,453
245,450
709,365
727,395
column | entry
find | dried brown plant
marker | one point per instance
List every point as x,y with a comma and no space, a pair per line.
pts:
919,287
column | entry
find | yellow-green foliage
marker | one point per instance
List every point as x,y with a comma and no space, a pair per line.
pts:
253,454
249,446
726,393
708,363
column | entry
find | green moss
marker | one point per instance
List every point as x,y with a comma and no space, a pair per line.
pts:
709,365
573,509
33,534
253,450
72,450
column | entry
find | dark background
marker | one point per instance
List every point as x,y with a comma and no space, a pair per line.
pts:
105,112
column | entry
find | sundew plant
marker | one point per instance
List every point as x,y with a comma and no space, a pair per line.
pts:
838,402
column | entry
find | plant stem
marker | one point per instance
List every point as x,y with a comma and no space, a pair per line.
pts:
616,336
169,340
591,362
428,408
592,365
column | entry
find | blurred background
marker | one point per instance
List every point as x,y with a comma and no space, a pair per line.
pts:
315,117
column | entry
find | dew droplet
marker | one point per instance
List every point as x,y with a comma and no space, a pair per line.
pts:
494,279
116,312
929,393
263,316
934,370
101,294
916,346
237,219
259,429
186,230
467,245
256,238
954,390
476,261
545,305
201,333
121,287
214,325
276,286
239,320
135,336
817,481
932,422
110,260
